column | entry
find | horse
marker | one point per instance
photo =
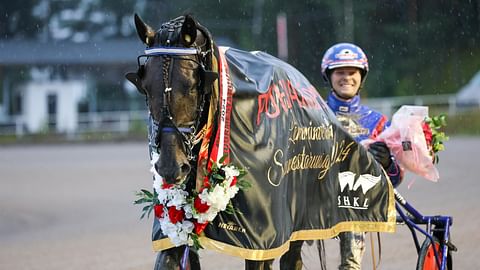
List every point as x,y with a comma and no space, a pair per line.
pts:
280,129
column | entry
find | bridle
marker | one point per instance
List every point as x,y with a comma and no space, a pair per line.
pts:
189,135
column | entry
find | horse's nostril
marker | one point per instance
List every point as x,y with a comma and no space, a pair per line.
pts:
185,168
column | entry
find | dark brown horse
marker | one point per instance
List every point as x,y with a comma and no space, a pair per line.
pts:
177,85
311,179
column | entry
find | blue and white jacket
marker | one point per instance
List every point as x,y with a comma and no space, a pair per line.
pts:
363,123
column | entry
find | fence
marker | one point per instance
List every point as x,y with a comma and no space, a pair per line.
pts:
125,121
388,106
98,122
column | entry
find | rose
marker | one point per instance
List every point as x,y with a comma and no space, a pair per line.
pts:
158,210
175,215
199,227
188,215
427,131
165,185
200,206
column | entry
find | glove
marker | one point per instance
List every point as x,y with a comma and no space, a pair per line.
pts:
381,153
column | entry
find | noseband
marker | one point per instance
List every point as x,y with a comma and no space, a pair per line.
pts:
188,134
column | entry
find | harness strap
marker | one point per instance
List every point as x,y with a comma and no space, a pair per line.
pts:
173,51
181,129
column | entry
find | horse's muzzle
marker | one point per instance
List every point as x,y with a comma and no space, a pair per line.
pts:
174,173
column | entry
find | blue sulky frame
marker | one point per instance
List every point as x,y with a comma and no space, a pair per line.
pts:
437,228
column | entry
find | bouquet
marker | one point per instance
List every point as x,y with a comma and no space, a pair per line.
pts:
183,215
414,140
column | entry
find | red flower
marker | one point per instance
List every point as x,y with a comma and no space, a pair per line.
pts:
427,131
158,210
234,181
175,215
199,227
165,185
200,206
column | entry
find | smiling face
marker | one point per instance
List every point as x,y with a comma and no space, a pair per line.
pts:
346,81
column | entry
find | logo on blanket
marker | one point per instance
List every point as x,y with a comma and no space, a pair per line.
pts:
347,181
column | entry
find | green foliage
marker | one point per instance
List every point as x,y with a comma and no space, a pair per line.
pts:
146,197
414,47
437,123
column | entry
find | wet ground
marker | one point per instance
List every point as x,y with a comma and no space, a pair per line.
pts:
70,207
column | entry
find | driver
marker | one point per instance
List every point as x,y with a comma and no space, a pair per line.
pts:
345,68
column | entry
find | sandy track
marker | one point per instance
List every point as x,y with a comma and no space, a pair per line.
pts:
70,207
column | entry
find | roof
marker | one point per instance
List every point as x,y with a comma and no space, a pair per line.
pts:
32,52
28,52
470,93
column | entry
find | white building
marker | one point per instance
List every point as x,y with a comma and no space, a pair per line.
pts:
470,93
52,105
60,78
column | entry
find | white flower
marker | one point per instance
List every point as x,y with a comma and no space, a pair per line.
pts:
177,197
163,195
157,184
188,209
178,233
168,228
218,198
208,216
230,172
232,191
155,157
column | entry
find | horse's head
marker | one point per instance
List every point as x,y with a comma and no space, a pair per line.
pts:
174,76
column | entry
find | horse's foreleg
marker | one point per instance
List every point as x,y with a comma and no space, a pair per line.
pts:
292,260
171,259
258,265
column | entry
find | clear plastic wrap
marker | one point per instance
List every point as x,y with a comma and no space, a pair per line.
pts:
407,142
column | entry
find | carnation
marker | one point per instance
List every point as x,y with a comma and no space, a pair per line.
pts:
184,215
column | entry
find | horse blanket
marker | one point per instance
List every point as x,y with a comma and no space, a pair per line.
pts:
310,179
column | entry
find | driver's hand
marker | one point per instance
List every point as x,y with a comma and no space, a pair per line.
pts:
381,153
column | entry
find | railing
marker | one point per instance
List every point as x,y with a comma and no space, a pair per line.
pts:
121,121
124,121
389,105
13,126
114,122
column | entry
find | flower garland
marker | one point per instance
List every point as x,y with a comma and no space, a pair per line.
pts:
433,136
184,215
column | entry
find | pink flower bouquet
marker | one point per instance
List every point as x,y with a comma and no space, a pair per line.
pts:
414,140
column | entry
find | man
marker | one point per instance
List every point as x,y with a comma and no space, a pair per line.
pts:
345,68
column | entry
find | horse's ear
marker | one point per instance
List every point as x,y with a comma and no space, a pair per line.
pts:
189,31
144,31
134,78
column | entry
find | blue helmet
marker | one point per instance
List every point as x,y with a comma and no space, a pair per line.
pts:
344,55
